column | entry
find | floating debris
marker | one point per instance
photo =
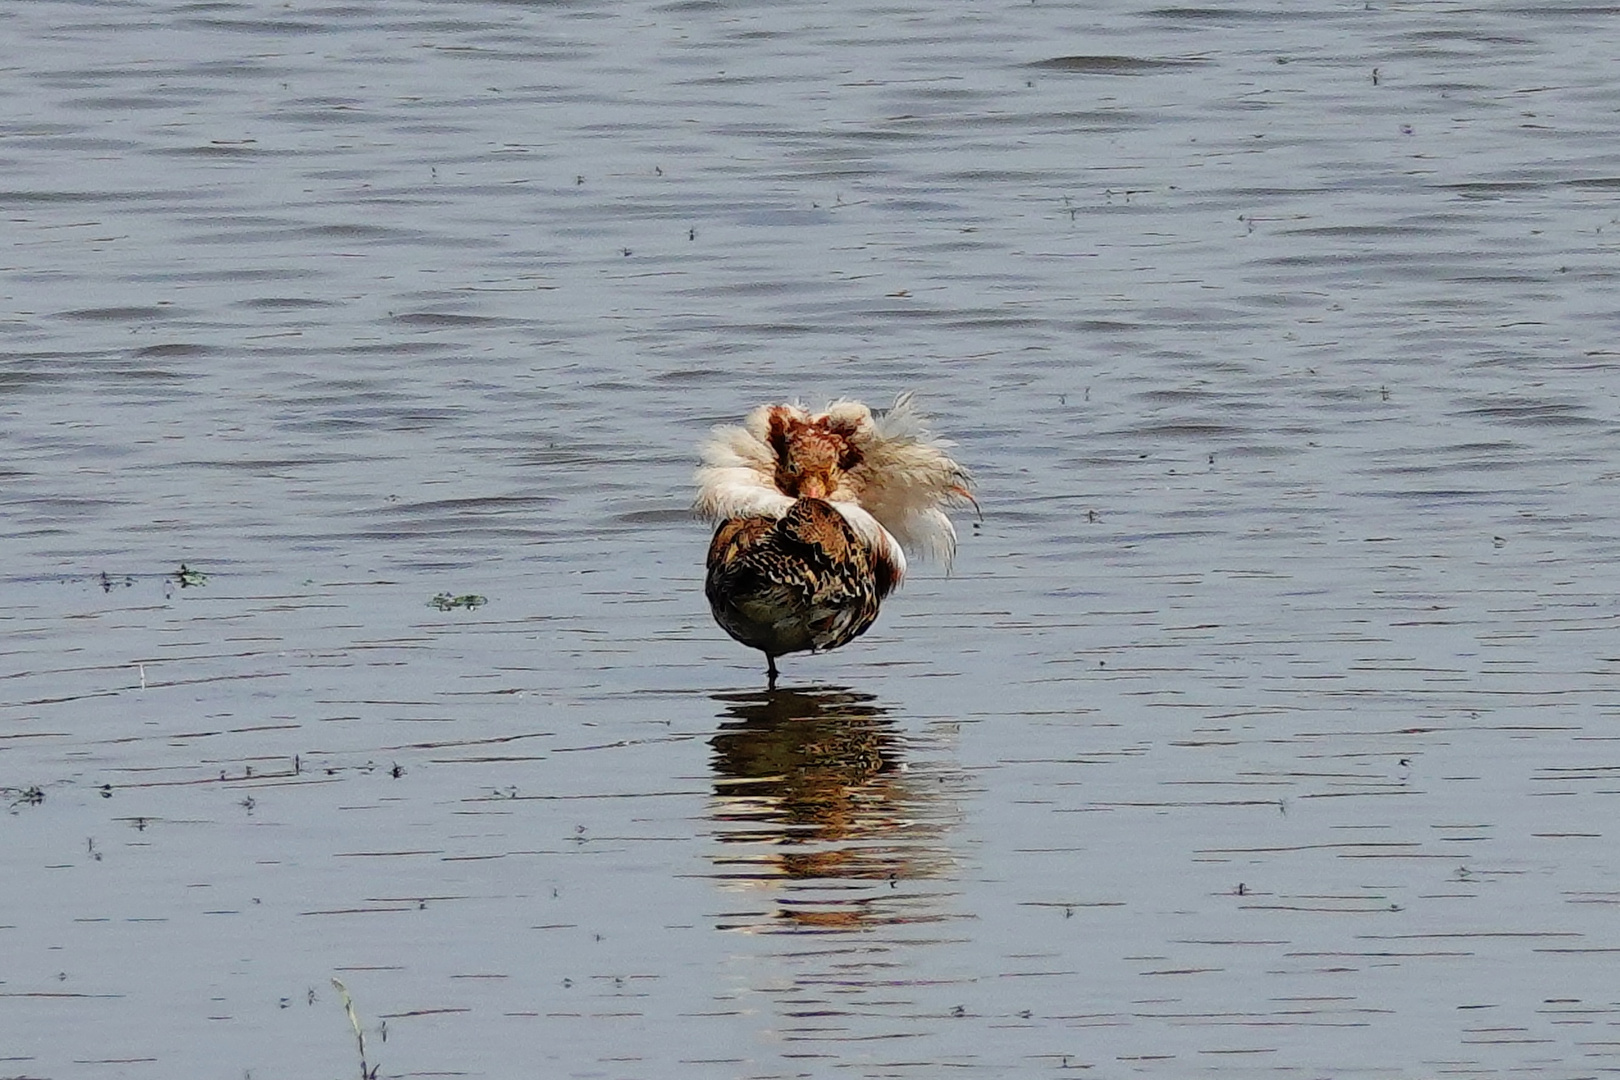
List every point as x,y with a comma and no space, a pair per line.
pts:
446,602
29,796
189,578
108,583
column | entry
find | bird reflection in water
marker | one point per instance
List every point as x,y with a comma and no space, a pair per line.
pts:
816,803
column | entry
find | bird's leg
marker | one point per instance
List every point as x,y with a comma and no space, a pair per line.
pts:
770,672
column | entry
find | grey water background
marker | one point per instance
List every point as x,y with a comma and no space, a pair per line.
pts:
1266,724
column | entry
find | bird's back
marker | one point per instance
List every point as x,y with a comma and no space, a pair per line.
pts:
801,581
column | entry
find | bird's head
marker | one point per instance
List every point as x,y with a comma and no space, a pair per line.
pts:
812,455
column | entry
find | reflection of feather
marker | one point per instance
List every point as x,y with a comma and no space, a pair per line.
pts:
816,512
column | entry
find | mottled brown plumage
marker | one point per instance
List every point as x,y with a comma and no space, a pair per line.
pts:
802,582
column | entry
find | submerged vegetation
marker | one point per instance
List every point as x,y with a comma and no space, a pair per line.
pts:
448,602
33,795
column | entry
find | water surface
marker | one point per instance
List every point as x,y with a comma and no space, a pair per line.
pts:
1265,725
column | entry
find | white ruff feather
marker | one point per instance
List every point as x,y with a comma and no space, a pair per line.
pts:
893,498
906,478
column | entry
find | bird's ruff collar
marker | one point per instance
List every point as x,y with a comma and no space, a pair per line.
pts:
893,496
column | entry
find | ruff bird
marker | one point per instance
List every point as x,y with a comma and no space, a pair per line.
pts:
817,512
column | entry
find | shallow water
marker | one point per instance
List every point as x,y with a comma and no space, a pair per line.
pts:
1265,725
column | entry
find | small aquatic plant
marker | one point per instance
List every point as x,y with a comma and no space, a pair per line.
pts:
447,602
366,1072
29,796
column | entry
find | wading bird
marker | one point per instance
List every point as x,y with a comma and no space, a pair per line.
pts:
816,513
